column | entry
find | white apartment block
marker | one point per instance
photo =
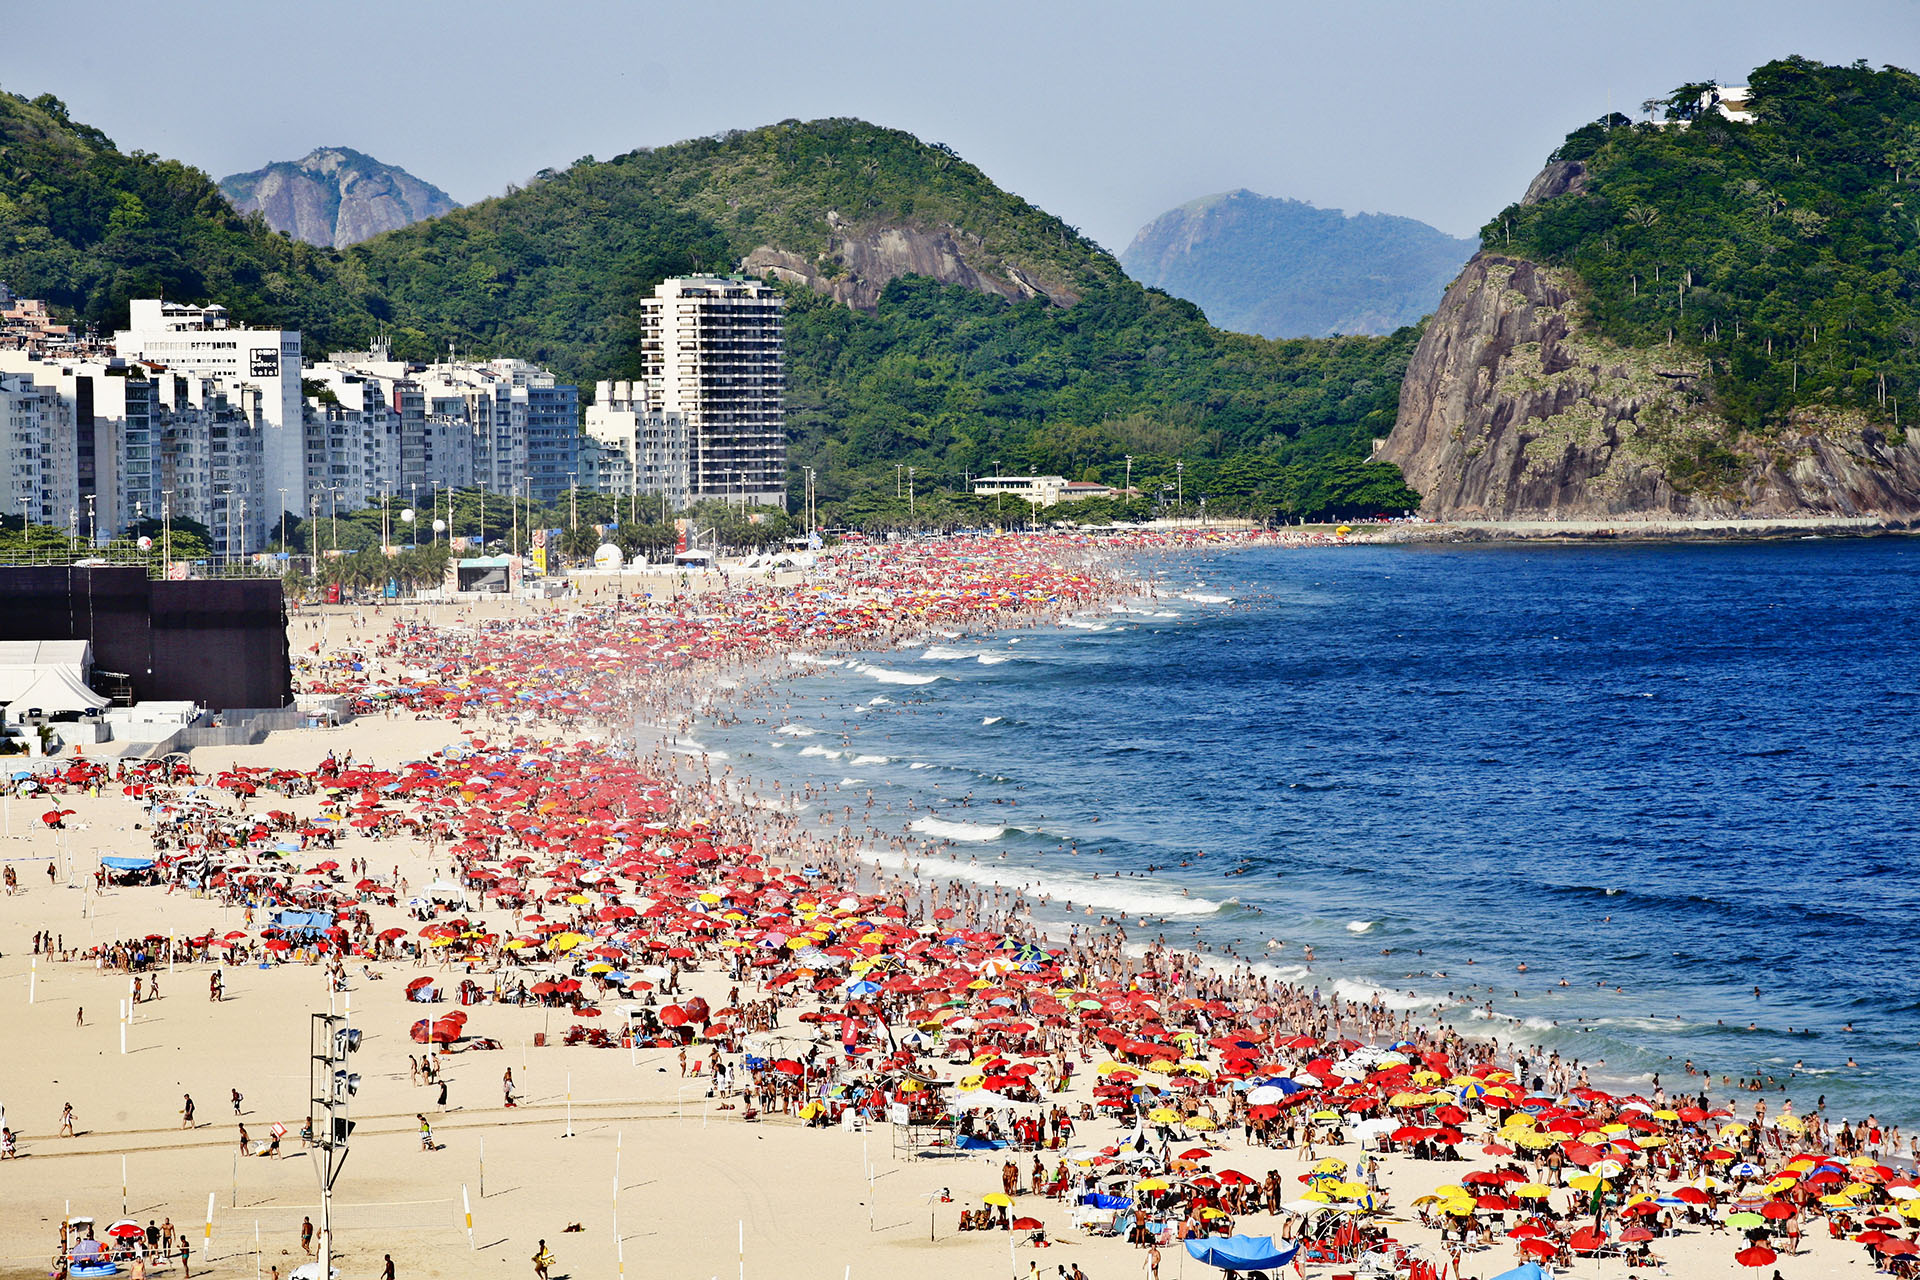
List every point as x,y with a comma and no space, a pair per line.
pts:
213,470
100,461
203,340
30,460
713,354
644,453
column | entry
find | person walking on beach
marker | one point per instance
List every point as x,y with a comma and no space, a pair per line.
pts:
186,1111
506,1087
542,1259
386,1270
236,1102
306,1236
66,1121
426,1132
243,1138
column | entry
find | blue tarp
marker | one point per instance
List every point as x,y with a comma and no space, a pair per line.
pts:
127,864
303,920
1100,1201
1525,1271
1243,1253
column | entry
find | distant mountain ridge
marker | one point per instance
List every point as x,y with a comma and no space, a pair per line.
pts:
335,196
1286,269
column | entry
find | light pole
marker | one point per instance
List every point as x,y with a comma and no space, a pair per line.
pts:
243,522
166,527
573,502
331,1043
1180,491
909,490
93,527
1129,473
73,531
283,522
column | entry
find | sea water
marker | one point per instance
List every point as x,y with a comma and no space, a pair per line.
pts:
1657,776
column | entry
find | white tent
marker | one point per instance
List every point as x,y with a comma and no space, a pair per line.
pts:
50,675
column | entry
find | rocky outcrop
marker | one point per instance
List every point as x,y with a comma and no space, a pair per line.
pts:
1509,411
860,260
1561,178
335,197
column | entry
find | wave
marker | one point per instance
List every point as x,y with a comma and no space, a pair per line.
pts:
814,659
870,760
1366,992
993,720
887,675
1117,894
825,753
1081,624
994,659
1200,598
919,764
795,731
695,749
968,831
1361,926
882,701
940,653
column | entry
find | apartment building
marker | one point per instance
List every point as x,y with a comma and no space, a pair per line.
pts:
713,353
642,453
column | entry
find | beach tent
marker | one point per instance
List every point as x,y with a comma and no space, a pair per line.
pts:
303,921
47,675
1243,1253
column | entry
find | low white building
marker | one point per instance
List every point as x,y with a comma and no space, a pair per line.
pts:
644,453
1041,491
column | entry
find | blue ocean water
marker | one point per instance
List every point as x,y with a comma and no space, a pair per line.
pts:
1663,775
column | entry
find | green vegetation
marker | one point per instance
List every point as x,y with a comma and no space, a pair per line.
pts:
1783,254
938,377
1285,269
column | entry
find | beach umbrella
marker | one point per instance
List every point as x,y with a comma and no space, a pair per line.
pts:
1756,1256
126,1229
1026,1224
998,1198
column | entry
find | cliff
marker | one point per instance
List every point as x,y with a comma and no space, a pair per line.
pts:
859,261
335,196
1512,409
1285,269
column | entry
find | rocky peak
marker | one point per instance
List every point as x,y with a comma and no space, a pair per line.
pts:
860,259
335,196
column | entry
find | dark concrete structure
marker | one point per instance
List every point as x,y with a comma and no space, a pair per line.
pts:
222,644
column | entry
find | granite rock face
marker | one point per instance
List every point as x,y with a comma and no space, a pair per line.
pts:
861,259
1510,411
335,196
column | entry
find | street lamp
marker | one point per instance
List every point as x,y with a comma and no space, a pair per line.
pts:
283,522
93,527
910,490
1180,475
1129,473
166,526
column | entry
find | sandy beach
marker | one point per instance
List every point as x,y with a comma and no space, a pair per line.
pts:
619,1161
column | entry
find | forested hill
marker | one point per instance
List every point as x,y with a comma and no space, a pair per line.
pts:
1785,252
1700,315
937,320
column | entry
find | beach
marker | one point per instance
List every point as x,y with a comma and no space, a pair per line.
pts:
662,1172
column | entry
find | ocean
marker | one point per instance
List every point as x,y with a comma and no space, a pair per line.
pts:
1657,776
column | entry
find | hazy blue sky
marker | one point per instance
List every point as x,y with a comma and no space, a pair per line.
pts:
1106,114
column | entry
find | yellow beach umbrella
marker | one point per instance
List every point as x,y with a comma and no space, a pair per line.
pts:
1531,1191
1150,1184
1000,1198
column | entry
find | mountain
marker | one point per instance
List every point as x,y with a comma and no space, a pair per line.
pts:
1700,316
1284,269
934,319
335,196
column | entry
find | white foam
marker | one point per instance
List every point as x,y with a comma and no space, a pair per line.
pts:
1199,598
795,731
1082,624
919,764
881,701
886,675
826,753
1117,895
1361,926
1365,992
851,782
870,759
804,659
945,830
695,749
994,659
940,653
993,720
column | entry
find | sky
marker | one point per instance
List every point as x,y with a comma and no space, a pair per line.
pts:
1106,114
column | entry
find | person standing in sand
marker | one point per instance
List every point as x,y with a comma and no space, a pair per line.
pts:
66,1121
186,1111
542,1259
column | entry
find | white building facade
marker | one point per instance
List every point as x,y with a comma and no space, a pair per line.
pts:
714,354
203,340
643,453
